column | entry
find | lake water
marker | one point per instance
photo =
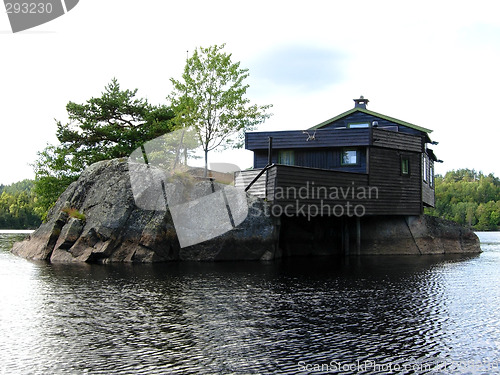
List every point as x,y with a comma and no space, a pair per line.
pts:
391,314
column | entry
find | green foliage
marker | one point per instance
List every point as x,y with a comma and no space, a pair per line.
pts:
175,150
17,206
110,126
469,198
47,190
16,187
211,98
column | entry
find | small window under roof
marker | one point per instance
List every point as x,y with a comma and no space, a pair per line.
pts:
358,125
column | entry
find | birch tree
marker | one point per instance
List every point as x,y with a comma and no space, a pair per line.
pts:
210,97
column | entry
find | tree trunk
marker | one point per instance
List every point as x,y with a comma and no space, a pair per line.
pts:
206,163
177,153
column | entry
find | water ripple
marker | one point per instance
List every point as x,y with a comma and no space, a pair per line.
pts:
247,318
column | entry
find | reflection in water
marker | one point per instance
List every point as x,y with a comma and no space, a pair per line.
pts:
247,317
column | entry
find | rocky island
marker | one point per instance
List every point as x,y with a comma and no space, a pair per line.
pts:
97,220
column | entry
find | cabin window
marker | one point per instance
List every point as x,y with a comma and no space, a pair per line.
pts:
286,157
431,174
405,166
358,125
349,157
425,163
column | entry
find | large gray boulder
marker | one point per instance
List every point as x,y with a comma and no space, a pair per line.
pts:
416,235
115,229
378,235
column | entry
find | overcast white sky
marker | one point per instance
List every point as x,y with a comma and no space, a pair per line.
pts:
432,63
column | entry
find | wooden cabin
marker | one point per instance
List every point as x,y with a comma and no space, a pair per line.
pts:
355,164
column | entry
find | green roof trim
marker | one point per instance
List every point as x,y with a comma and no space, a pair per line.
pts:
368,112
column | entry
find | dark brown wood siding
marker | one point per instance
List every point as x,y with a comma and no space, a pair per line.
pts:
317,162
398,194
295,139
398,141
428,196
299,190
271,183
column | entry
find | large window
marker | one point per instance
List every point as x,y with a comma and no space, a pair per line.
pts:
286,157
349,157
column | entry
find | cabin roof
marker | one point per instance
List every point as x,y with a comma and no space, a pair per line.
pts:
367,111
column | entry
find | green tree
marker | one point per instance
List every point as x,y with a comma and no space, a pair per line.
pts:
17,206
210,97
53,174
469,198
110,126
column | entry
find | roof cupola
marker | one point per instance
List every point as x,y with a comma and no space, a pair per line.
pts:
361,102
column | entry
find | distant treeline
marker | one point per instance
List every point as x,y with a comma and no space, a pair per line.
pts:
468,197
18,206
